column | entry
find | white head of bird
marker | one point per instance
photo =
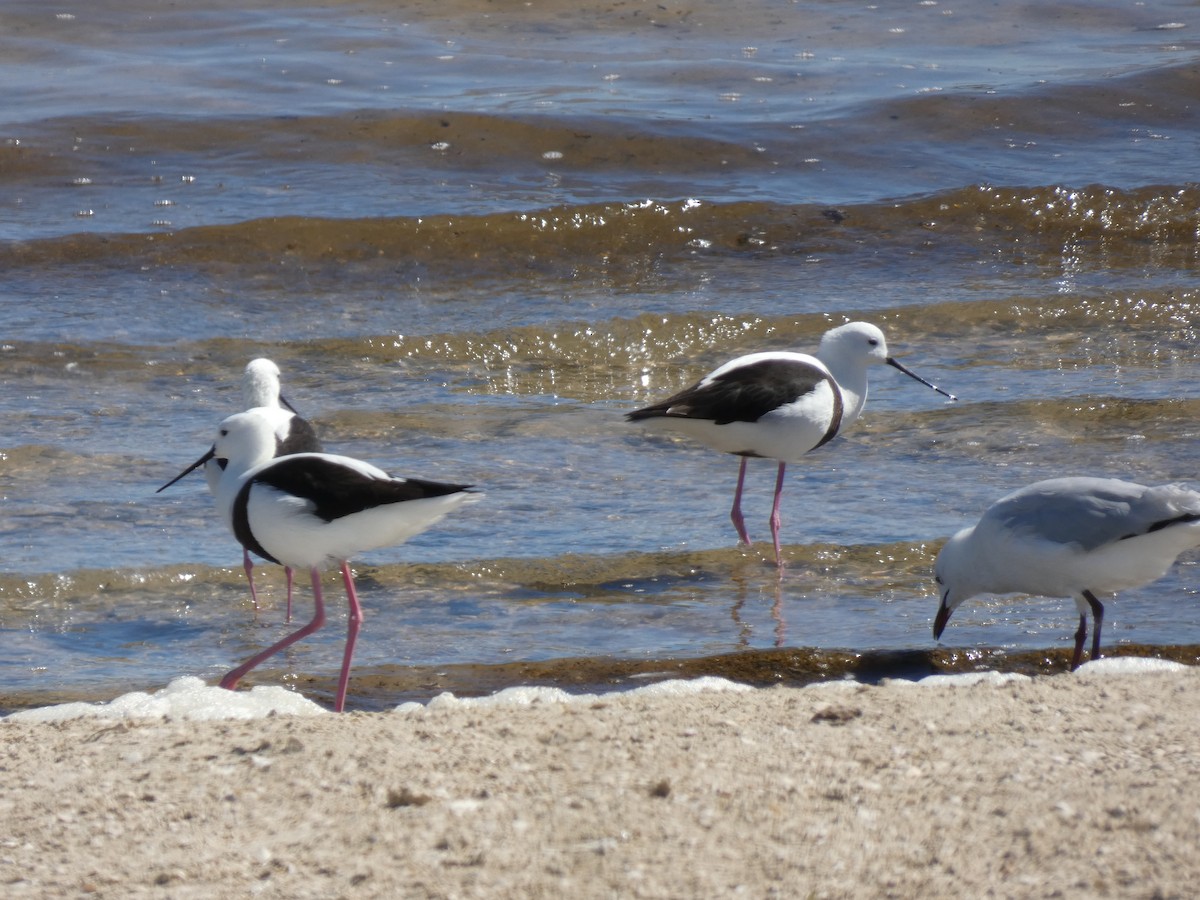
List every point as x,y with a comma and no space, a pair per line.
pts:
847,351
243,438
260,383
956,575
245,441
854,340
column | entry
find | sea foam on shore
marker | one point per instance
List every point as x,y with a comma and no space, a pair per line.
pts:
189,697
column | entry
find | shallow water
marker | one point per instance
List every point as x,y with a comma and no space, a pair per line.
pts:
473,237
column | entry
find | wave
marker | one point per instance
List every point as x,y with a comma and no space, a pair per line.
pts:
1157,226
631,358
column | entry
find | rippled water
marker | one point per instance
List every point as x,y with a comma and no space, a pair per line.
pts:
473,237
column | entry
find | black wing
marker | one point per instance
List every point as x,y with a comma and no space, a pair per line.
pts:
744,394
336,490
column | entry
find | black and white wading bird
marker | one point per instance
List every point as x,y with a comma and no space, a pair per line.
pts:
293,434
310,510
778,405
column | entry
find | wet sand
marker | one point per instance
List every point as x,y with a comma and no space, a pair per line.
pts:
1083,785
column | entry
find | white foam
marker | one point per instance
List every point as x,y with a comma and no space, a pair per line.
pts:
527,696
1128,665
187,697
705,684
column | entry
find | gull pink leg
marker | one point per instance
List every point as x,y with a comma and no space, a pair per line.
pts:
248,565
735,514
776,520
352,627
229,682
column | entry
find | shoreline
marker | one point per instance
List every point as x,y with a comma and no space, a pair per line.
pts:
382,688
1082,783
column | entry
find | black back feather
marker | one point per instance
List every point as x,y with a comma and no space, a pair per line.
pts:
744,394
335,490
1181,519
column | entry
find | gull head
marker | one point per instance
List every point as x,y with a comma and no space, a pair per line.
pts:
954,573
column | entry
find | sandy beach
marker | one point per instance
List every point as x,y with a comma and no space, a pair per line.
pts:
1071,785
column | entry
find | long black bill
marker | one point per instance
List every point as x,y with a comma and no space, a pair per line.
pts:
911,374
193,467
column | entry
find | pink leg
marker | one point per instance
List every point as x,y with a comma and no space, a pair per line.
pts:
775,518
287,570
229,682
735,514
248,565
354,624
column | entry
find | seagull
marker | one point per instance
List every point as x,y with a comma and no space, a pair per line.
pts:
309,510
778,405
1069,537
293,434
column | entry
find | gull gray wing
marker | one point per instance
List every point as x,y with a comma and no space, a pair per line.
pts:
1092,512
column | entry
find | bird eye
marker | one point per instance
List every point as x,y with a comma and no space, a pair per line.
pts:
938,579
224,432
873,342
